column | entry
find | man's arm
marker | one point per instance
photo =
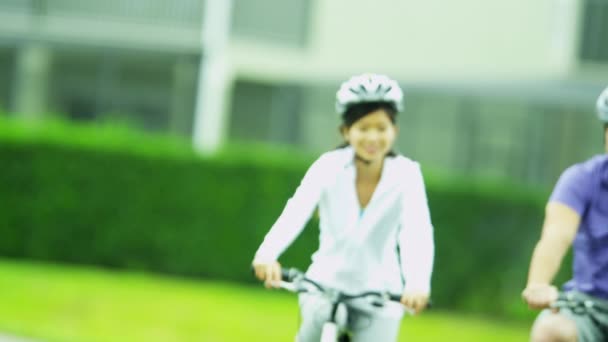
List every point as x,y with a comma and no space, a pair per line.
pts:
559,229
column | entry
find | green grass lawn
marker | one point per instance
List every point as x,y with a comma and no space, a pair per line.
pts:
61,303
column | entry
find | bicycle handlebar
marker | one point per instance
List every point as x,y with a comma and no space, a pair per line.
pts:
293,275
566,300
293,280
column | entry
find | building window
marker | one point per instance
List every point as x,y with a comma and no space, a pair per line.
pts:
266,112
93,85
594,40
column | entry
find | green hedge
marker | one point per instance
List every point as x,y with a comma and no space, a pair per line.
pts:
116,198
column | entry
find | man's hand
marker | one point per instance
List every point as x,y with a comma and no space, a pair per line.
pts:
268,272
416,301
539,296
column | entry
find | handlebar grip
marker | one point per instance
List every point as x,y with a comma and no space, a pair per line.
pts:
394,297
287,274
397,298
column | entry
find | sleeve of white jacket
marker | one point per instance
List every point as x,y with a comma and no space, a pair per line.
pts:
416,235
295,215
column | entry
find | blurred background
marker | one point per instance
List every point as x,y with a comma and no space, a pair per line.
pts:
492,89
499,93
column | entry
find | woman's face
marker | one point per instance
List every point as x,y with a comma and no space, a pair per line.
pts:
372,136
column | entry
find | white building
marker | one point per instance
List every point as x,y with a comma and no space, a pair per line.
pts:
493,88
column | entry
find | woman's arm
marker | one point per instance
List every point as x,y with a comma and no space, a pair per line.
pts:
416,243
291,222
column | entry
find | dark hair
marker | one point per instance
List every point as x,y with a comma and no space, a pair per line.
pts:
359,110
355,112
605,126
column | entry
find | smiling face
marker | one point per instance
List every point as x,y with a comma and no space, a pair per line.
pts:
372,136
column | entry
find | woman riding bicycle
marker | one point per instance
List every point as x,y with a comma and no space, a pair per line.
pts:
577,215
375,227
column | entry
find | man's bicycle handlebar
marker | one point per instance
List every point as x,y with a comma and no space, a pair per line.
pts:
567,300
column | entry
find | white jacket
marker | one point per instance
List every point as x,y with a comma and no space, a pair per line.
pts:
358,249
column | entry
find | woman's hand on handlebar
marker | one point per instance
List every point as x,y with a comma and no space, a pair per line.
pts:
416,301
268,272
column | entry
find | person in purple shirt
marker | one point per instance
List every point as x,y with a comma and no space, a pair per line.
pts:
576,215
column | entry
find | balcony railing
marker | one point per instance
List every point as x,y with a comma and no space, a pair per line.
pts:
151,22
159,24
175,12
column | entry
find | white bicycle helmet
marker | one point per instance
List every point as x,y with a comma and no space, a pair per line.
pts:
602,106
368,88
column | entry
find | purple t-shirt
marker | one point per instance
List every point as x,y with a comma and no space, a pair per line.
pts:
584,188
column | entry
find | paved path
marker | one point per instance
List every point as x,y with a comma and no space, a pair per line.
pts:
10,338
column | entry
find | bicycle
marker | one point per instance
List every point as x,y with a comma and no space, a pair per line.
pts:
578,306
295,281
581,306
